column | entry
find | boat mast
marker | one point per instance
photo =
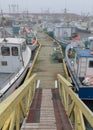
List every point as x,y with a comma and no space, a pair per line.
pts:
3,24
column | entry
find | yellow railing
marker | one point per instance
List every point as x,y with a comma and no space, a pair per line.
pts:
15,107
75,108
63,60
33,63
64,64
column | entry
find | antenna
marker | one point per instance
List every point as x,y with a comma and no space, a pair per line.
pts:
3,23
17,8
13,7
9,9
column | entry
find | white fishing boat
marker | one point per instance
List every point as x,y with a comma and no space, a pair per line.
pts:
85,27
15,56
65,34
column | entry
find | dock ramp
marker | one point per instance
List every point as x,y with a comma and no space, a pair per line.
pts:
46,111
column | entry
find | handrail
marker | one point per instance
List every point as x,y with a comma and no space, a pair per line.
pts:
15,107
75,108
33,63
64,64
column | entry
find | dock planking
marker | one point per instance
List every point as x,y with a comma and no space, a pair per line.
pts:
46,68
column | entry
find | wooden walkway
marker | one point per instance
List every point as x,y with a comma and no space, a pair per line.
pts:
46,68
43,113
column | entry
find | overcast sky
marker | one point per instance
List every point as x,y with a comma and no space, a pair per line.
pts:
73,6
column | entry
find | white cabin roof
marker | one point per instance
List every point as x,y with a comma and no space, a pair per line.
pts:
90,38
12,40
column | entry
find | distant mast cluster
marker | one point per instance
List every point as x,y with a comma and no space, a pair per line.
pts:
13,8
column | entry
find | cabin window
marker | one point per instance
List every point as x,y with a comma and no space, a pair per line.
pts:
90,64
4,63
5,51
14,51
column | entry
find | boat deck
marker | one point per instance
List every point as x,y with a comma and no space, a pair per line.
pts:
5,78
46,111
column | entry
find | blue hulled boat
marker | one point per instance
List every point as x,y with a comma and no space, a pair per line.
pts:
79,61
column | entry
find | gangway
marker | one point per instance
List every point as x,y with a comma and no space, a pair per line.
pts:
44,114
46,107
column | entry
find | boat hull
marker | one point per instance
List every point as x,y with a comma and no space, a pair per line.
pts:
86,93
83,30
51,34
14,85
64,43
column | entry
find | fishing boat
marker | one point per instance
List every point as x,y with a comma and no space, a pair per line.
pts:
79,61
50,29
15,28
31,41
30,36
65,34
15,56
84,26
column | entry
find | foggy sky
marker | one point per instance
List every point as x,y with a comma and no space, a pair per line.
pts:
73,6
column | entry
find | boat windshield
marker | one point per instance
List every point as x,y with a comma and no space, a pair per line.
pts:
90,64
14,51
5,51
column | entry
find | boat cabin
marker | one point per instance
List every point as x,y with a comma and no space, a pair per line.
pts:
83,63
11,54
64,32
15,28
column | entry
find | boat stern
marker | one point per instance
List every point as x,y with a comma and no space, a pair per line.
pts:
86,93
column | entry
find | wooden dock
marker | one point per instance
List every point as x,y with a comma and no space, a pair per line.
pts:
46,111
46,68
